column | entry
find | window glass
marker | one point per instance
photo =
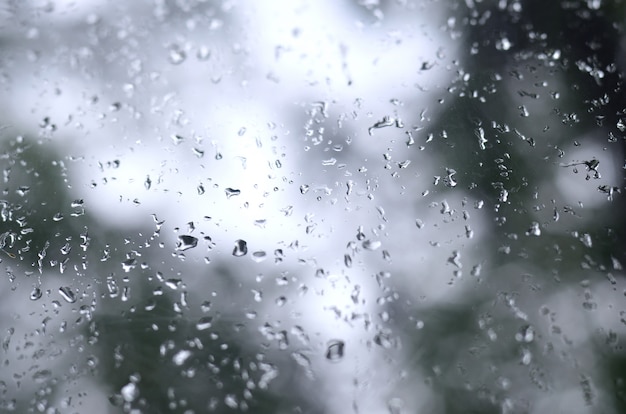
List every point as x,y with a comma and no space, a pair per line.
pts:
366,206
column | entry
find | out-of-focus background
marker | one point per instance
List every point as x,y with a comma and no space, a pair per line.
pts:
365,206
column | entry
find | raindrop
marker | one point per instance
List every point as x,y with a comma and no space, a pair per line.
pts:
129,264
186,242
230,192
395,406
204,323
241,248
525,334
66,249
534,229
35,294
335,350
67,294
347,260
129,392
23,190
385,122
480,134
181,356
372,244
259,256
586,240
449,181
304,188
42,376
203,53
176,56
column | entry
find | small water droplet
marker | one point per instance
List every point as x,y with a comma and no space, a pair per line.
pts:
304,188
176,56
186,242
42,376
204,323
259,256
67,294
372,244
347,260
129,264
525,334
204,53
66,249
335,350
241,248
129,392
534,229
181,356
35,294
231,192
23,190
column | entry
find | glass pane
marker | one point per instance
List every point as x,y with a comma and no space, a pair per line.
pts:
368,206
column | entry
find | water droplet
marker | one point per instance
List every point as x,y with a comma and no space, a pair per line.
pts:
204,323
129,264
385,122
204,53
181,356
372,244
534,229
57,217
304,188
35,294
230,192
525,334
23,190
67,294
176,56
186,242
42,376
335,350
241,248
66,249
129,392
347,260
259,256
480,134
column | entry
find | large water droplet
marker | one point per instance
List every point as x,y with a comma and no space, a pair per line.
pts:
186,242
240,249
335,350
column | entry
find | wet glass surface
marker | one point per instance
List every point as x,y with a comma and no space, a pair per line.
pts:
312,207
